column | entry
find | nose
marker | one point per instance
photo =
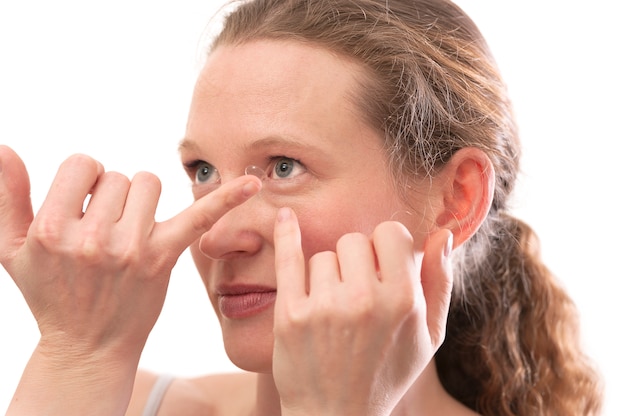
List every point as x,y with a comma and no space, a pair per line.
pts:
240,232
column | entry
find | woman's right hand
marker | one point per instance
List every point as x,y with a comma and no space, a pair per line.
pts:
95,278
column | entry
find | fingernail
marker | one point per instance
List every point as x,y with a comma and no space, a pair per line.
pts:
283,214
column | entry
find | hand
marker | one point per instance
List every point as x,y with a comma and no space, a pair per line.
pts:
371,320
96,280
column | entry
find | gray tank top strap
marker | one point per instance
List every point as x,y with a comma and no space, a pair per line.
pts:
156,395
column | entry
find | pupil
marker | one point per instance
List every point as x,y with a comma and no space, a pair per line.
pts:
284,168
205,172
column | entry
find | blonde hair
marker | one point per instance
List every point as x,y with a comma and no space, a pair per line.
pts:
432,87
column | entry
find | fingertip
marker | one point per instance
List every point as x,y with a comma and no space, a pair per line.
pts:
190,224
252,187
286,226
6,154
449,243
12,165
441,241
284,214
16,211
3,149
437,254
83,161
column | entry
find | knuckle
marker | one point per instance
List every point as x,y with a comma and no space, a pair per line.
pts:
363,308
406,305
290,319
325,310
101,248
90,248
127,254
46,232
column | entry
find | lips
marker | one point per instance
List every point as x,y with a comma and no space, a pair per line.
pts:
244,301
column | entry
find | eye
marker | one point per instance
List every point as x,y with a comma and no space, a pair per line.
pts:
202,173
285,168
206,173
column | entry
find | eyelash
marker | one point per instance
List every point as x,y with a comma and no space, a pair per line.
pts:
192,170
273,161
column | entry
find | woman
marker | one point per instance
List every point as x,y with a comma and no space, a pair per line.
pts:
386,148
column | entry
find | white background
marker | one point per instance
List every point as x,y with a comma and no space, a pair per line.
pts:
113,80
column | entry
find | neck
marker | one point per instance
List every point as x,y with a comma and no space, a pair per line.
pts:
267,398
425,397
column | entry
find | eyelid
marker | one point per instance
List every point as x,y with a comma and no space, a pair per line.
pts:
274,160
192,165
276,184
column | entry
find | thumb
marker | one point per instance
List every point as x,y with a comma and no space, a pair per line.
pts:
16,211
437,280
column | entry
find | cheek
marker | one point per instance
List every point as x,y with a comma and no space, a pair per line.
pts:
322,226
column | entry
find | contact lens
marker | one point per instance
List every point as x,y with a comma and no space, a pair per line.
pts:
256,171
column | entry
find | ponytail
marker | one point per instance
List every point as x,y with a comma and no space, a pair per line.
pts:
512,346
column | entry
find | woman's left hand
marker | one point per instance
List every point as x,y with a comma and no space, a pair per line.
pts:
372,318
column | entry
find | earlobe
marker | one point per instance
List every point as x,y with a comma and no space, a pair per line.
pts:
468,184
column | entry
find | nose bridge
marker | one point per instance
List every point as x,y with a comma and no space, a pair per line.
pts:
242,231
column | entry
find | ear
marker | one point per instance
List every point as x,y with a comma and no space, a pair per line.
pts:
467,181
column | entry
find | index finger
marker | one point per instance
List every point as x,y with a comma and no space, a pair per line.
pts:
289,259
182,230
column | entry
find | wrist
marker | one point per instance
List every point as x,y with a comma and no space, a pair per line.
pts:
72,380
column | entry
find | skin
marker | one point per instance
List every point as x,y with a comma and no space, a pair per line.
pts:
359,291
237,119
95,281
264,99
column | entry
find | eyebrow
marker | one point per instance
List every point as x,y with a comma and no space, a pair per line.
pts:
186,144
269,141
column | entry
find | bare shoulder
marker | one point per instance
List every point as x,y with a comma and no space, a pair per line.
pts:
143,385
219,394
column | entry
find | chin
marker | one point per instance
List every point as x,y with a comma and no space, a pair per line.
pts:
260,365
249,343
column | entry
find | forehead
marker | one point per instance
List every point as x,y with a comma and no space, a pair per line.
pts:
263,84
277,66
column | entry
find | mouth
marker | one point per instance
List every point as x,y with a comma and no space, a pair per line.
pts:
243,301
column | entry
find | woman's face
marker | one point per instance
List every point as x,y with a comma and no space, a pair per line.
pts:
288,108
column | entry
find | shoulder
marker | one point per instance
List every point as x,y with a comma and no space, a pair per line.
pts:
219,394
